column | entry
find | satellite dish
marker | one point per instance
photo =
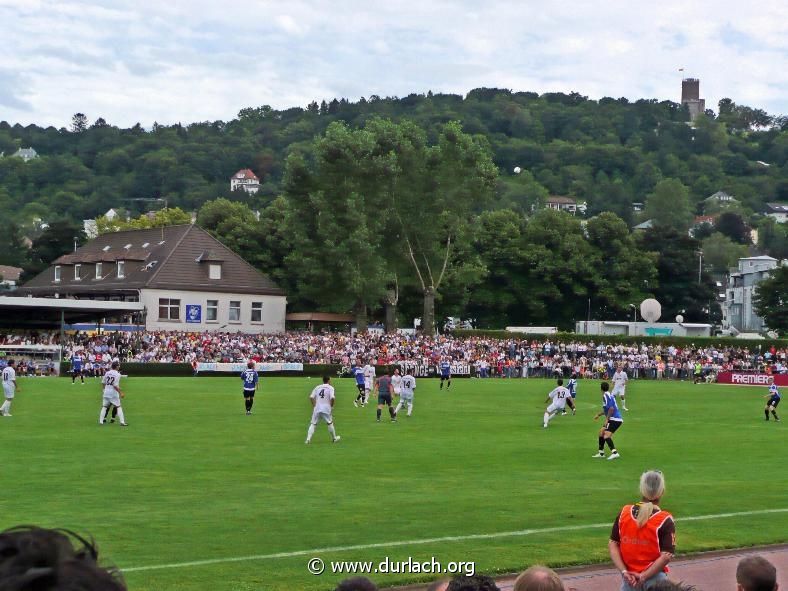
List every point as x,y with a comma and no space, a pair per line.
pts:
650,310
679,318
517,170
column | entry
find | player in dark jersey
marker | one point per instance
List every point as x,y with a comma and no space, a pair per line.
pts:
250,379
76,368
445,369
358,373
774,399
613,421
383,386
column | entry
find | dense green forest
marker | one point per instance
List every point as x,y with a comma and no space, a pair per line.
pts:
447,162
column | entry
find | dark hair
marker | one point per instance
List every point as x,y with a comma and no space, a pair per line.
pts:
357,584
474,583
605,386
560,382
755,573
668,585
33,558
250,365
11,362
326,379
115,365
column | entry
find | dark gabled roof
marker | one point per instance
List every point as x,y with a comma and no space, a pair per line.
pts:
777,207
159,258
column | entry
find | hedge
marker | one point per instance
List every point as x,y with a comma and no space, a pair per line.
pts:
185,370
568,337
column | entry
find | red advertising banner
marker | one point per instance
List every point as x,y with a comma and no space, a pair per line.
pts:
743,378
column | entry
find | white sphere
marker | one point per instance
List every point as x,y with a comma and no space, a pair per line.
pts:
679,318
650,310
517,170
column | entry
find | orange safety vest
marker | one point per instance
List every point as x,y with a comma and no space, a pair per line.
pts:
640,545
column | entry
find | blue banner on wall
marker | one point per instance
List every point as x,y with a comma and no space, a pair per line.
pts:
193,313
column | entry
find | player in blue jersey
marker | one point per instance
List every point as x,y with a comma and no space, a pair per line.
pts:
572,387
250,379
774,400
445,369
76,368
358,373
613,421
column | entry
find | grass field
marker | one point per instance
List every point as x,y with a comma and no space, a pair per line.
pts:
194,479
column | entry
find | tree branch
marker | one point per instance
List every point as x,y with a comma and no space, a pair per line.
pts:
445,262
415,264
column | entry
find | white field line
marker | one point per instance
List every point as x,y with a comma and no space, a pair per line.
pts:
505,534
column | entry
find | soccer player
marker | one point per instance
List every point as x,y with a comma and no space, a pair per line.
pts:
406,397
383,387
396,382
112,395
613,421
572,387
445,369
322,399
774,400
358,373
369,380
620,385
9,388
558,398
250,378
76,368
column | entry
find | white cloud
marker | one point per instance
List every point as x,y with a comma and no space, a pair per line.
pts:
194,60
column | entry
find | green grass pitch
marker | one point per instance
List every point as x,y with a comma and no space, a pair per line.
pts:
193,478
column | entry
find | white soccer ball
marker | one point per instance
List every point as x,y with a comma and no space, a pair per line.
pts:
517,170
679,318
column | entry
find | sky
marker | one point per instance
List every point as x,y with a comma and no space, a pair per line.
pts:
171,61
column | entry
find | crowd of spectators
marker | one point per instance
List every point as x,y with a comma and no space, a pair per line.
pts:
486,357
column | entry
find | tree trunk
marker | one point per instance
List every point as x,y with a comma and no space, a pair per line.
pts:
428,317
391,311
361,317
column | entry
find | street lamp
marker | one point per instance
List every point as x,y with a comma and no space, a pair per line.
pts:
700,263
634,312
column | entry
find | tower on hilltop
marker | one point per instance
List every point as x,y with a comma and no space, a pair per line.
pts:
690,96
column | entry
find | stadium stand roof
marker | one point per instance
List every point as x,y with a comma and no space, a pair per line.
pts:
48,313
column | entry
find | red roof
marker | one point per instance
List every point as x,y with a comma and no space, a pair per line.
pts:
245,173
562,200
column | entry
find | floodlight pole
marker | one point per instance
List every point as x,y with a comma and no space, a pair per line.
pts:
62,334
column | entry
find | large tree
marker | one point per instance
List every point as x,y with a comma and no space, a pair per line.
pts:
669,205
771,300
57,239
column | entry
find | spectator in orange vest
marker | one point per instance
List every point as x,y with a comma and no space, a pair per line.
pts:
643,539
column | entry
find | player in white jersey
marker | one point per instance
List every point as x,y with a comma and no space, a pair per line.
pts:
396,382
406,393
369,380
558,398
322,399
112,395
9,388
620,379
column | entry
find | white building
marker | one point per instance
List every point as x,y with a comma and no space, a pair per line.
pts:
738,310
25,154
778,211
245,180
185,278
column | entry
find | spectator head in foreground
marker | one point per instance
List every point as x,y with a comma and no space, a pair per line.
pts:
439,585
668,585
357,584
37,559
755,573
538,578
472,583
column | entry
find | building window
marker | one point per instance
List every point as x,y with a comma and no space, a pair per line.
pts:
169,309
212,311
235,311
98,270
77,272
121,269
257,311
215,271
57,273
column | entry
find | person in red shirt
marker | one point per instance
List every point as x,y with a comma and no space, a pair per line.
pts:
643,539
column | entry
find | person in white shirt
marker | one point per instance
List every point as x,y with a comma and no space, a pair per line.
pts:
112,395
322,399
369,380
396,382
558,398
620,385
9,388
406,393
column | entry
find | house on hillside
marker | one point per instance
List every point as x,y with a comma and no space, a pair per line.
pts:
25,154
718,200
90,227
186,279
245,180
9,276
778,211
559,203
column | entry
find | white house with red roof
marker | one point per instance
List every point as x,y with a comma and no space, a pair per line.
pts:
245,180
